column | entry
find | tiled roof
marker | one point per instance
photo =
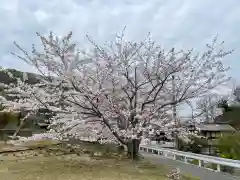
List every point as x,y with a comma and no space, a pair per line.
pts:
215,127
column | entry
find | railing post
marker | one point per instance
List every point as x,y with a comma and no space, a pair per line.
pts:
218,167
174,157
185,159
200,163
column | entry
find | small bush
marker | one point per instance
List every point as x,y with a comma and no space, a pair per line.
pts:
194,161
229,146
212,166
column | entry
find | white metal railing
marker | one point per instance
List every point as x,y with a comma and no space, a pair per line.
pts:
162,144
170,153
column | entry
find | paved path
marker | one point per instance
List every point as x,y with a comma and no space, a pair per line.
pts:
193,170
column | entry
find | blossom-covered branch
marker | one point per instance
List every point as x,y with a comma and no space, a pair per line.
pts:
123,87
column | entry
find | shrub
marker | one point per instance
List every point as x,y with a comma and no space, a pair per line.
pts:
195,146
229,146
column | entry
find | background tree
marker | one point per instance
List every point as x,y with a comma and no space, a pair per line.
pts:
124,86
230,111
224,105
194,145
209,107
236,93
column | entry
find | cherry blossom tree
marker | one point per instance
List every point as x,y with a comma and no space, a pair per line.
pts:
122,87
208,107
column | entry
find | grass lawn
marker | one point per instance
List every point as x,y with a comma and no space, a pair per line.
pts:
76,168
72,167
34,165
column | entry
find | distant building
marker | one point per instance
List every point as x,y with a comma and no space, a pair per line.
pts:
212,132
237,93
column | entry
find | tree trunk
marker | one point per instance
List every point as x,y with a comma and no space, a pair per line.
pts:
133,148
18,129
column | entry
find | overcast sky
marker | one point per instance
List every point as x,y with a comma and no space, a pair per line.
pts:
173,23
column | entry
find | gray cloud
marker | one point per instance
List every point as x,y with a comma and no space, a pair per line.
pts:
183,23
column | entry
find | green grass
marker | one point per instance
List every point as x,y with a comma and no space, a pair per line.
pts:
38,164
72,167
75,168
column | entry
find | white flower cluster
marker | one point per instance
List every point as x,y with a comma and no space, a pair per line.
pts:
114,92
